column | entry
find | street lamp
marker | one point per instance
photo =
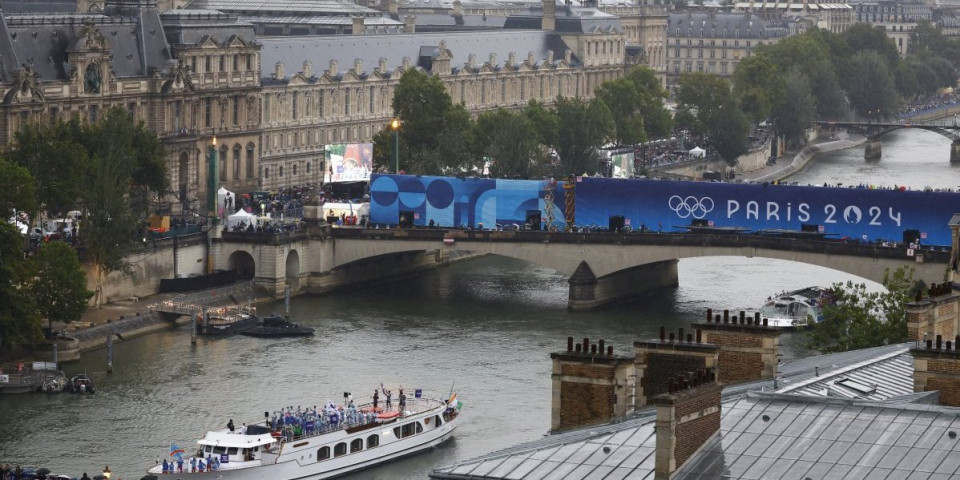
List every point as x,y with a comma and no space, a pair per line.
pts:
212,179
395,128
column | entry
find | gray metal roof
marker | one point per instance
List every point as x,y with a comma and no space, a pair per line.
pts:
284,7
569,20
39,6
889,375
721,25
319,50
577,454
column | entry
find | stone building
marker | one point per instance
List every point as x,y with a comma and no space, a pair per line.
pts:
274,98
711,42
898,19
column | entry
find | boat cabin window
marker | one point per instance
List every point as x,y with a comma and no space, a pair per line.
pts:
340,449
232,451
219,450
323,453
419,427
207,449
404,431
436,420
356,445
373,441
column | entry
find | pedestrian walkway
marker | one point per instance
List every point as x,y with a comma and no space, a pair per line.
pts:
793,161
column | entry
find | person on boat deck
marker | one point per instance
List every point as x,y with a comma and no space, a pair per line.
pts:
376,398
388,394
230,425
84,477
165,466
200,466
243,429
403,401
193,464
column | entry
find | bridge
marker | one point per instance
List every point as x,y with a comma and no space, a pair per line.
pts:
873,131
603,267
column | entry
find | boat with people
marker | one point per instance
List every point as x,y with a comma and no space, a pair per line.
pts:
319,443
276,326
80,383
796,309
226,321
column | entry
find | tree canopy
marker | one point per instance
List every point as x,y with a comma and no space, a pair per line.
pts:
59,285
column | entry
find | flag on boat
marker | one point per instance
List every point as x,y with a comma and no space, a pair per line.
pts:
454,403
176,451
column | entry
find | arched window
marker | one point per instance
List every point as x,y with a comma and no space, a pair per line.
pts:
266,172
281,171
356,445
308,167
340,450
373,441
236,162
250,161
323,453
294,169
223,163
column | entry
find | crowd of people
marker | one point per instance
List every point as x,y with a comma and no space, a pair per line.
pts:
928,103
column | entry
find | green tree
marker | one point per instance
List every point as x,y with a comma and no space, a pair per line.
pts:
826,90
582,127
699,98
55,161
870,86
59,287
623,99
511,141
865,37
544,121
728,128
16,189
19,320
759,84
794,116
860,319
456,144
657,120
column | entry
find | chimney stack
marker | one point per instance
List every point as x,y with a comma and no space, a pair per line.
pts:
549,21
934,315
936,366
658,361
748,350
687,418
409,24
357,25
590,385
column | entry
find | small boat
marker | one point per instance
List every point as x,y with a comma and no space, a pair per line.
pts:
277,326
225,322
80,383
314,445
797,309
707,227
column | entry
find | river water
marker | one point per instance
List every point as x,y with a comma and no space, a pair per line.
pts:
482,327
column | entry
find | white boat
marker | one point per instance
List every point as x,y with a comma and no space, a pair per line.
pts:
323,449
796,309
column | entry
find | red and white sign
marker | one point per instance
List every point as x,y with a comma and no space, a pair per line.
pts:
923,235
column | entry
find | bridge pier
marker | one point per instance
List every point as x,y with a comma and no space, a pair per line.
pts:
955,151
872,150
588,292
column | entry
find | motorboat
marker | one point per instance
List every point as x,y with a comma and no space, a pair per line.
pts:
796,309
80,383
277,326
225,321
333,441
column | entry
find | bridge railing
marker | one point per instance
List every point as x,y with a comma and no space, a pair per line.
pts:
830,247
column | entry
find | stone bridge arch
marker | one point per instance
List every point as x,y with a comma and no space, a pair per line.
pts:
292,270
241,262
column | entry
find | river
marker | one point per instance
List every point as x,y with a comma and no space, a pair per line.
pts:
482,327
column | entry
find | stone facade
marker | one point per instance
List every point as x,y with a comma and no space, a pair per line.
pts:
590,386
937,367
274,103
937,314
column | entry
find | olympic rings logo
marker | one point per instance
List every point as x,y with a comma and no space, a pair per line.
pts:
690,206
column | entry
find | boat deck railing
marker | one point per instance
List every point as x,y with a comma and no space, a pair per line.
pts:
286,433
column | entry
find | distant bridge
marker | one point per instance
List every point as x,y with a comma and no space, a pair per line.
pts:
874,130
603,267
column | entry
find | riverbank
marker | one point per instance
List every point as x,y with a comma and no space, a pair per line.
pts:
798,160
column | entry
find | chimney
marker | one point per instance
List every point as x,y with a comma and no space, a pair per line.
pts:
389,7
457,8
492,60
748,350
550,57
938,314
568,56
382,68
357,25
332,71
659,360
531,59
936,366
307,69
278,71
549,20
686,419
472,62
409,24
357,67
511,59
590,385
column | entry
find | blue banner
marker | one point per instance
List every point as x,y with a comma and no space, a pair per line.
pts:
457,202
839,212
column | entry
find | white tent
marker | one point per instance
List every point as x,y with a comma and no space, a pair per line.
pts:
698,152
240,216
222,194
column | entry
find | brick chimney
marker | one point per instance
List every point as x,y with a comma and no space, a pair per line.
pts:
749,349
659,361
590,385
549,21
687,417
936,366
357,25
938,314
410,24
